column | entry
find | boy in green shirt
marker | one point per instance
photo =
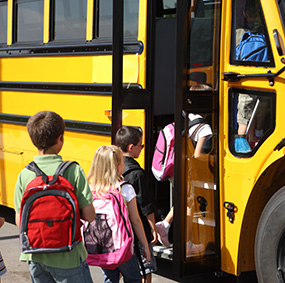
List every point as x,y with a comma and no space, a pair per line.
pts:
46,130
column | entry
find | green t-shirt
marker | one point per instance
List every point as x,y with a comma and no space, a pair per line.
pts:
76,176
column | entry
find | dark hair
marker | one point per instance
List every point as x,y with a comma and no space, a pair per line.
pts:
44,128
251,8
128,135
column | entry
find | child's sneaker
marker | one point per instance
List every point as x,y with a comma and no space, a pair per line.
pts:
192,249
162,234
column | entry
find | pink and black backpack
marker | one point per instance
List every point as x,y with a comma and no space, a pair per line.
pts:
109,238
163,157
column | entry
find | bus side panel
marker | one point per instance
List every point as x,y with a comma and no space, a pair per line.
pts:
16,148
67,69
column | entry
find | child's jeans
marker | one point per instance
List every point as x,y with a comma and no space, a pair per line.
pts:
129,271
42,273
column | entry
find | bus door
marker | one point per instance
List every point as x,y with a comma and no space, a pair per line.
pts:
199,140
252,84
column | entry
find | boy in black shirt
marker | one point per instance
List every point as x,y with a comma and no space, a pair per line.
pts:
129,139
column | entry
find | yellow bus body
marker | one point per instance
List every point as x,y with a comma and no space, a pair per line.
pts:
16,149
241,179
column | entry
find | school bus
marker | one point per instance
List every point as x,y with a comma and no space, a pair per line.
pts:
101,64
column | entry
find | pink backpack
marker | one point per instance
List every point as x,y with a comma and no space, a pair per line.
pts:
163,157
109,238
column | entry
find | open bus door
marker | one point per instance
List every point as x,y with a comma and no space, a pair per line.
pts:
196,178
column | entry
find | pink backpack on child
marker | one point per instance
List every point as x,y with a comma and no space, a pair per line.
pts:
163,157
109,238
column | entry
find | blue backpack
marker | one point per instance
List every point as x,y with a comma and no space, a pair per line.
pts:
252,47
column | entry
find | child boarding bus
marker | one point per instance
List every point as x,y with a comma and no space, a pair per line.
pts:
61,55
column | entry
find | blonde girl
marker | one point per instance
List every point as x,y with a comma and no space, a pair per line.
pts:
104,175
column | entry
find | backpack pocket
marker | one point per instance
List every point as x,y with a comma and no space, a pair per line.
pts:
98,236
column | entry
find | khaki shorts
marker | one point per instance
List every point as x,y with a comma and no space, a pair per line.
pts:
245,107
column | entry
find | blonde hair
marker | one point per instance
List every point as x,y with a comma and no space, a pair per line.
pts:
103,173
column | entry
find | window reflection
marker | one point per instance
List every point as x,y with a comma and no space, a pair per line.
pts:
70,19
200,237
29,15
250,36
3,22
131,9
251,120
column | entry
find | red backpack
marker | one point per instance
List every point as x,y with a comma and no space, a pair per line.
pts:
50,217
163,157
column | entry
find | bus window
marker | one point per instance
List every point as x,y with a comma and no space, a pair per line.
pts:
3,22
250,42
103,19
251,120
169,4
202,41
281,5
29,21
69,20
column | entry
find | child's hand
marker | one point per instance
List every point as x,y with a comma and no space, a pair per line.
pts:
146,254
2,220
154,237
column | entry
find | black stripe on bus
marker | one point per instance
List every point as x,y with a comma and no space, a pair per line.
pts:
88,48
70,125
86,88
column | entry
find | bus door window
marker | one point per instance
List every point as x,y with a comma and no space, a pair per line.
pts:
3,23
281,5
201,43
200,236
250,114
69,21
28,15
250,42
254,109
201,171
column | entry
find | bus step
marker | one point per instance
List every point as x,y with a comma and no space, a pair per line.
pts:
163,252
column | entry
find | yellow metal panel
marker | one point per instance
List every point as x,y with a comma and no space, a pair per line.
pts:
237,192
46,20
47,69
9,22
78,107
80,69
102,71
10,162
89,25
136,118
142,36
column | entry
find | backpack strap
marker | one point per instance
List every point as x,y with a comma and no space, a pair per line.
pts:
253,52
32,166
195,132
121,213
130,170
196,121
60,170
62,167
